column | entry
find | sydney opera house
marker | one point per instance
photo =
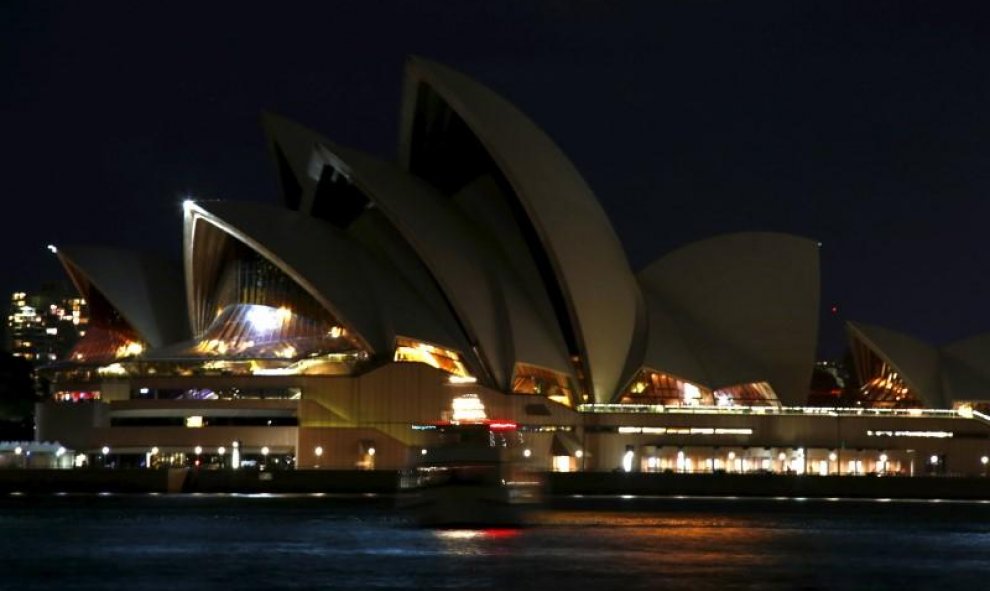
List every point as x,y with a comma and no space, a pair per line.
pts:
335,329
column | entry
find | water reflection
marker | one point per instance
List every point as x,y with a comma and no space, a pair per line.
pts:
471,534
475,542
138,542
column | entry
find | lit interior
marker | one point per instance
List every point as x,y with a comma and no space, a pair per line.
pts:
529,379
108,337
654,387
257,331
467,408
751,394
408,350
250,308
882,385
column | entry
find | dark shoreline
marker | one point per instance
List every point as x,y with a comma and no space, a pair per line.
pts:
559,485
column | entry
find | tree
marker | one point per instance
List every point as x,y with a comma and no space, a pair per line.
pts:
17,398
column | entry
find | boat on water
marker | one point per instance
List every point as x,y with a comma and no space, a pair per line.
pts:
475,473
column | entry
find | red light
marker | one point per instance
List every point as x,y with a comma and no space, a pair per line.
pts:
502,426
499,533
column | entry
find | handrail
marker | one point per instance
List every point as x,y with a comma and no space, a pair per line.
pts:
775,410
982,416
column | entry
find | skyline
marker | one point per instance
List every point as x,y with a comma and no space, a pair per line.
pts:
859,127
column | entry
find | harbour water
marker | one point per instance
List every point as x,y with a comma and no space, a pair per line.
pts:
307,542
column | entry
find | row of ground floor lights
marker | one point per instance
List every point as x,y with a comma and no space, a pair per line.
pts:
216,458
816,461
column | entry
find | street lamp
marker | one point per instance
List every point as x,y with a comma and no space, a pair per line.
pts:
319,454
985,460
106,454
220,451
264,453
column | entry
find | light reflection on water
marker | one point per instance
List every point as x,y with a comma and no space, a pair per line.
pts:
131,542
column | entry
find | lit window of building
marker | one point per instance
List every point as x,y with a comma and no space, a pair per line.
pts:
34,328
654,387
882,385
417,352
529,379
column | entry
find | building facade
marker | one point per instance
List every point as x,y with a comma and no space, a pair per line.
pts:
334,330
42,326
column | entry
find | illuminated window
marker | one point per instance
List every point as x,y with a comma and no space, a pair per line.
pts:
256,311
882,386
104,343
753,394
654,387
408,350
109,337
265,332
529,379
114,369
467,408
74,396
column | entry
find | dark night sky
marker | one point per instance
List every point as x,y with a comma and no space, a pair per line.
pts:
865,125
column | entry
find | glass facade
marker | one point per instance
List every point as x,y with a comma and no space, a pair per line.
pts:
263,332
109,335
530,379
881,384
408,350
216,393
654,387
752,394
261,313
